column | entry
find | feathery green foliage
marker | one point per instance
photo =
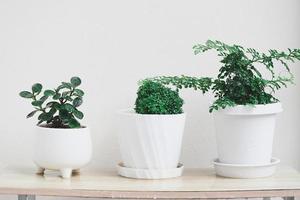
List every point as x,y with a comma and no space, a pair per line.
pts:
239,81
182,82
155,98
58,107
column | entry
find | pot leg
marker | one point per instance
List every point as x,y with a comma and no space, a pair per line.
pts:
40,170
76,171
66,173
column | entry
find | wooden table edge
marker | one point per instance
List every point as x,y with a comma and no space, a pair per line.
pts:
152,194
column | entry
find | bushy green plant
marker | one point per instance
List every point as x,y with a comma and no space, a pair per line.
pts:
57,107
239,82
155,98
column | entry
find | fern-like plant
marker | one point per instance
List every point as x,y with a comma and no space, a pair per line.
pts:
239,82
155,98
58,108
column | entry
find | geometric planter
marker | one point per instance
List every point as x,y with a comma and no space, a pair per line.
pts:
150,141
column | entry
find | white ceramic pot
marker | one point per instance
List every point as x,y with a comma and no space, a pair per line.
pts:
245,134
62,149
150,141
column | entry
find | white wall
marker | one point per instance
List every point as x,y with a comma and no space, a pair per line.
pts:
112,44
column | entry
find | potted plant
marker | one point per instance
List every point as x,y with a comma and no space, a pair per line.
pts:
61,142
150,136
245,109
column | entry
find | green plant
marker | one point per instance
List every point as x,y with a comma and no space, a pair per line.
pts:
58,107
155,98
239,82
183,82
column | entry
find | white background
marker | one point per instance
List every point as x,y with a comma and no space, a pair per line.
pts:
112,44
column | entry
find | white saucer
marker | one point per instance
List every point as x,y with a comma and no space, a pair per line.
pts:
245,171
149,173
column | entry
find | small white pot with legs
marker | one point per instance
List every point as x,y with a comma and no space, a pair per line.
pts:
62,149
245,135
150,145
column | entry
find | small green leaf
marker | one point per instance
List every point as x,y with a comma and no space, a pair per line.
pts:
31,114
78,114
79,92
37,88
49,93
26,94
76,81
66,85
68,107
52,111
77,102
64,114
73,123
57,106
60,87
44,117
56,96
43,98
37,103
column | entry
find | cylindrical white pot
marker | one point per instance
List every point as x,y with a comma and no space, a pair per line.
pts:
150,141
63,149
245,134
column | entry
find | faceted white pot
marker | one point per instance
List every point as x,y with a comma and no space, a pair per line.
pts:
245,134
63,149
150,141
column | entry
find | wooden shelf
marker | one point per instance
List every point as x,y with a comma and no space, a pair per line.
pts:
195,183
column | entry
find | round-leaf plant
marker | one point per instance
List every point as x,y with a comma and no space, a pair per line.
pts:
155,98
58,108
239,82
